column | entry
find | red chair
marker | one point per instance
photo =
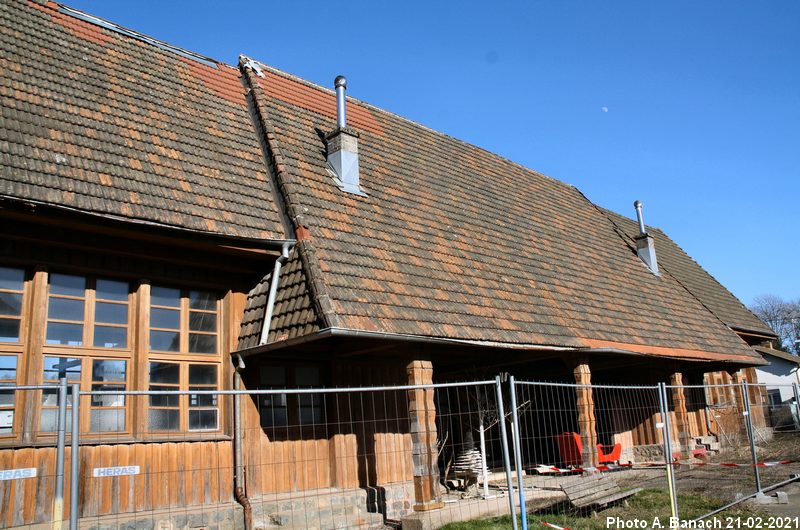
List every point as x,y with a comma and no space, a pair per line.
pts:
570,448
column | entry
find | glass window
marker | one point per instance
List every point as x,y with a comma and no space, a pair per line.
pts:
108,410
11,286
68,319
291,409
203,411
309,405
183,321
273,407
8,377
164,413
56,368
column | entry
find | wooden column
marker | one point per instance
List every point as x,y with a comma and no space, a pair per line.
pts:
584,400
422,420
681,414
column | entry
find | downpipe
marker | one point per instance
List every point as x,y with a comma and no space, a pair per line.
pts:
273,289
238,480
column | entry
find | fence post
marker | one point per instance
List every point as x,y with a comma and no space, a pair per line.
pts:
74,458
506,459
667,433
749,422
518,452
61,425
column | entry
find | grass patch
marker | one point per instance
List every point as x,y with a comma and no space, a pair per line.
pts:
647,504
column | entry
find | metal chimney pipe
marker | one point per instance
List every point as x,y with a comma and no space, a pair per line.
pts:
341,115
638,206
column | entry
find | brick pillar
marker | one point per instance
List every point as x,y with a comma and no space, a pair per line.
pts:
681,414
422,419
586,419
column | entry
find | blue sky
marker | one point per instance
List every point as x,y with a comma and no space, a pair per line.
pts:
692,107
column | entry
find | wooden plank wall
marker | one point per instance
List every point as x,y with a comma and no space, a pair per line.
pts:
171,475
393,461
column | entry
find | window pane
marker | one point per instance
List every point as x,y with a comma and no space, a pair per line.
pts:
202,400
165,296
8,367
107,420
167,373
69,334
108,400
165,318
202,343
202,300
111,313
165,340
108,337
7,397
164,400
65,309
58,367
203,321
202,374
9,330
10,304
112,290
50,419
11,279
67,285
307,376
163,420
108,370
202,420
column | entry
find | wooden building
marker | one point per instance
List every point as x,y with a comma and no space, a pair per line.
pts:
146,193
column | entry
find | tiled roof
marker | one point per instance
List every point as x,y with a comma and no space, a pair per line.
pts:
456,242
778,354
691,275
294,314
108,124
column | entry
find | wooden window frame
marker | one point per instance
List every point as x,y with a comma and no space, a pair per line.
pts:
89,322
293,406
86,380
183,400
185,311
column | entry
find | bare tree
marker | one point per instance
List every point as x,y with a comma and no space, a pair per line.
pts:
783,317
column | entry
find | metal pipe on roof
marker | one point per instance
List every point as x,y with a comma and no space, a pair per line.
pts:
273,289
638,205
341,113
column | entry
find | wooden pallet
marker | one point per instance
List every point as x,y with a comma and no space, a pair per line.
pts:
595,492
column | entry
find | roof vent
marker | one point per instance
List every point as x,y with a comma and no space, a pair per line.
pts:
645,246
343,146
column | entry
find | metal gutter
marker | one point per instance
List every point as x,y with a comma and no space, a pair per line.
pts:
263,243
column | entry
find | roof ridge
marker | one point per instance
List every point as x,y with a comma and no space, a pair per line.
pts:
147,39
370,106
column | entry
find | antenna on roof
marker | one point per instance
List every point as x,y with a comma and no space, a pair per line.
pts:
341,113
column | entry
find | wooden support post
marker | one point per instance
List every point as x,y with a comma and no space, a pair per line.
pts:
587,423
681,414
424,453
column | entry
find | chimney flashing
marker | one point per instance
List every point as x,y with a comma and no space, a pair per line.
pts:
342,145
645,244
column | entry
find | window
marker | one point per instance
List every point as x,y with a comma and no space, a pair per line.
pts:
167,412
183,321
8,377
56,368
11,288
281,410
107,412
87,312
